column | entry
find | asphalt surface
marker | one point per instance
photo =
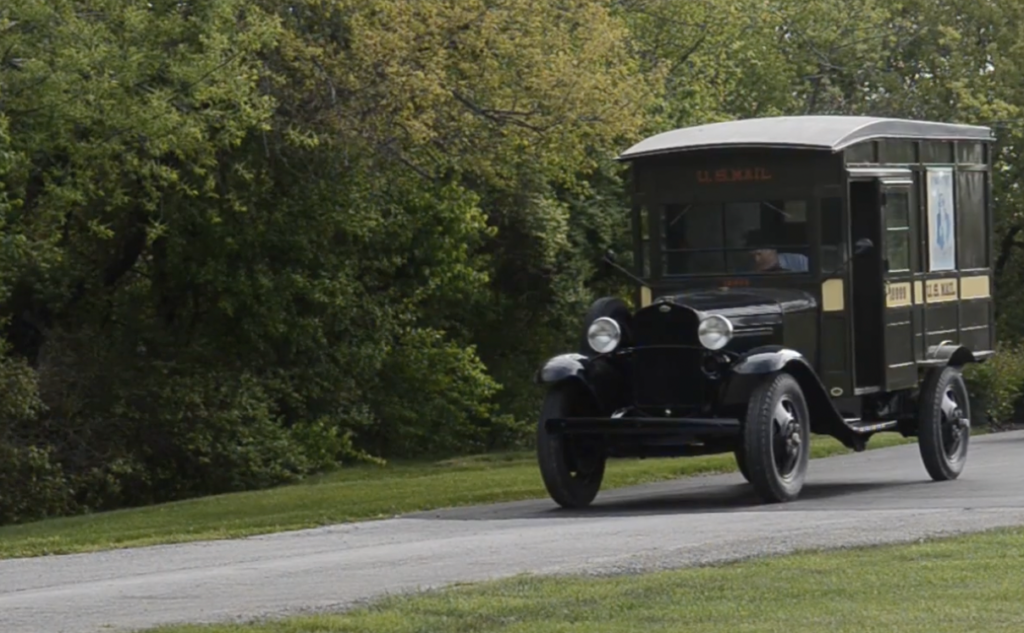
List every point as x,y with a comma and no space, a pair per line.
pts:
879,496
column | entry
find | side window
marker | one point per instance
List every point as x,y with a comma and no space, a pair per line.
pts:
970,211
970,153
643,217
897,229
861,153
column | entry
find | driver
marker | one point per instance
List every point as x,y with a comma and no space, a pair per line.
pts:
766,258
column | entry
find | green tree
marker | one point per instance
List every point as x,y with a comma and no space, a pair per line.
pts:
243,241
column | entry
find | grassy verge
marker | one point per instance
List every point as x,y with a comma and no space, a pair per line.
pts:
366,492
972,583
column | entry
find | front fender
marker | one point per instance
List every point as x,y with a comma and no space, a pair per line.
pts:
561,368
601,376
764,360
760,362
748,371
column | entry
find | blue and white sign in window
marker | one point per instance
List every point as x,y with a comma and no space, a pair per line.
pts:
941,220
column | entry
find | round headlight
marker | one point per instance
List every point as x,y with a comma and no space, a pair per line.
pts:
604,335
715,332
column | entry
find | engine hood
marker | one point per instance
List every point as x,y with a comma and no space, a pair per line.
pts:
744,306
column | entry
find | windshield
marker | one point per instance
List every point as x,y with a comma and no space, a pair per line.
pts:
736,237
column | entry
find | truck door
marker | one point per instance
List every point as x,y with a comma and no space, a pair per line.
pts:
899,257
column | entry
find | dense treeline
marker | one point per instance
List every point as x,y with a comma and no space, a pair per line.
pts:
244,240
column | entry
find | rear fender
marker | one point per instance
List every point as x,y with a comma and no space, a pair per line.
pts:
950,354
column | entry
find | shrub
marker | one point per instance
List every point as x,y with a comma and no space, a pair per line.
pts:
33,485
433,398
996,385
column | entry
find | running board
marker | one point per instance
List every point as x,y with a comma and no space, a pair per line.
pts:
862,428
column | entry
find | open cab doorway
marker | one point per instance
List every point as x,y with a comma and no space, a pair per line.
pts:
868,292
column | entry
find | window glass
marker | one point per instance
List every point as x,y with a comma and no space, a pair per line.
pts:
737,237
970,153
895,151
936,152
642,218
897,228
970,212
897,209
861,153
898,249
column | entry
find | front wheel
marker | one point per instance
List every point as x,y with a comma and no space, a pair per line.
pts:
776,439
572,467
741,461
943,424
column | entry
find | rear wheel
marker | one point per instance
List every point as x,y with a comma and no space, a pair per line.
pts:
776,439
943,424
572,467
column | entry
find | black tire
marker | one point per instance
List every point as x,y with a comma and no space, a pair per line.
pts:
776,439
612,307
572,468
943,424
741,461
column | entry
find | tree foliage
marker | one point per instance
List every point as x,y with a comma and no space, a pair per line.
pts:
241,241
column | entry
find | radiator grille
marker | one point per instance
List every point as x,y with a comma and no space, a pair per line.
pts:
666,367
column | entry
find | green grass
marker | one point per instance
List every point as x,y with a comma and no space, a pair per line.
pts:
359,493
971,583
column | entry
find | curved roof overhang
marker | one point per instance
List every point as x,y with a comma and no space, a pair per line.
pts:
820,133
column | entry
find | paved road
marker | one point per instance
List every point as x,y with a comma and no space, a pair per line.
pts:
873,497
